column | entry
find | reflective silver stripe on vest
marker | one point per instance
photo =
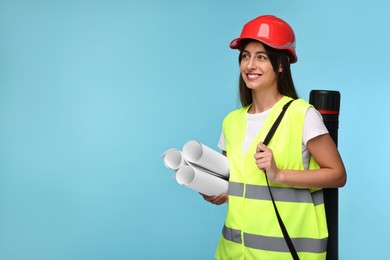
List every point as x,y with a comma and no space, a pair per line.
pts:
318,197
276,244
279,244
280,193
230,234
236,189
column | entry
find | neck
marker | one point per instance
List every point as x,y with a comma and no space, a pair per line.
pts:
263,101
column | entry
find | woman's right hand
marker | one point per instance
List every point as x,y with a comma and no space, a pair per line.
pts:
216,200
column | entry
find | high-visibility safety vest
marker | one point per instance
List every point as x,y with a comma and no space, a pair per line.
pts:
251,229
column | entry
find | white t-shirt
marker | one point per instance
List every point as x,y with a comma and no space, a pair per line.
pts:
313,127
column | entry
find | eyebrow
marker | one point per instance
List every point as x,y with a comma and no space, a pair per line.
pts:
258,52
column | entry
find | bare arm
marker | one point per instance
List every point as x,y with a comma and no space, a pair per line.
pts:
331,174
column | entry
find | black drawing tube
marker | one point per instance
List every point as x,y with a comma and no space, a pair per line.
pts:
327,102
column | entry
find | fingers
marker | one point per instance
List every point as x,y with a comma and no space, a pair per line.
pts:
263,156
217,200
262,152
261,148
208,198
221,199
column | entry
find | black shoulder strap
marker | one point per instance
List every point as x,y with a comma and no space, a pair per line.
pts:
276,123
281,224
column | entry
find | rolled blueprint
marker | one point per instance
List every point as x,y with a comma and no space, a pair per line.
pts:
206,157
196,179
173,159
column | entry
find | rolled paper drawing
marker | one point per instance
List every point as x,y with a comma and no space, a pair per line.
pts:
198,180
206,157
173,159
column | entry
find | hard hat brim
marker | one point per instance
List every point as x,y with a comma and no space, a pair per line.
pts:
235,44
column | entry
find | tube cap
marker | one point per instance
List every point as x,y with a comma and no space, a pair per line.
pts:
327,101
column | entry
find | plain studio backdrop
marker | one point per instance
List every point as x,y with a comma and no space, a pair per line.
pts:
93,92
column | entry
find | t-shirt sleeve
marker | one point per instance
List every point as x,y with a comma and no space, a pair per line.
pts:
314,125
221,142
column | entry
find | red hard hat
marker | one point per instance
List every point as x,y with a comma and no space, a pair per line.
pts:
271,31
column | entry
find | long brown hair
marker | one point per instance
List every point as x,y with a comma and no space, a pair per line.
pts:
278,58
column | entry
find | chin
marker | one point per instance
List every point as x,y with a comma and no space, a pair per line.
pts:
251,86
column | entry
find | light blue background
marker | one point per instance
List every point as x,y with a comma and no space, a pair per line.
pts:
93,92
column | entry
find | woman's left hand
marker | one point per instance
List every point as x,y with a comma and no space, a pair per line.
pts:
265,161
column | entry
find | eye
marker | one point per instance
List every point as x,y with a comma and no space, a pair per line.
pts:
262,57
244,56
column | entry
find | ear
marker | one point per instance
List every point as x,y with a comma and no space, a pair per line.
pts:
280,69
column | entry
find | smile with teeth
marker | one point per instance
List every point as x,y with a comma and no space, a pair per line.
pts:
253,76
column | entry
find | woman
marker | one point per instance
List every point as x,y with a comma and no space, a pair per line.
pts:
299,161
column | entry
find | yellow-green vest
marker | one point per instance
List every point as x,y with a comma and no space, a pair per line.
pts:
251,229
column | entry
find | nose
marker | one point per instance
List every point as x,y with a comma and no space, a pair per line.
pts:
251,65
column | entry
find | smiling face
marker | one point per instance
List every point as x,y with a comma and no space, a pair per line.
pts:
256,68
